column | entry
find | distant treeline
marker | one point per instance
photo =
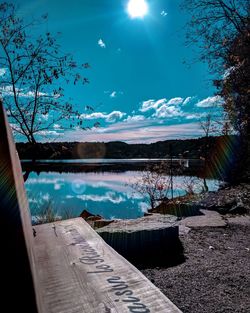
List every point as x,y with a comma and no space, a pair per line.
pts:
189,148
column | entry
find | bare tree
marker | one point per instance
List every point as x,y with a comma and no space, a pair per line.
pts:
192,185
154,184
213,27
208,128
223,125
206,125
33,70
221,30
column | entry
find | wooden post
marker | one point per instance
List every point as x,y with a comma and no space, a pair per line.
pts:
16,261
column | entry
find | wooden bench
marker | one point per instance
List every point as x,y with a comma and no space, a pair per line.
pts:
67,267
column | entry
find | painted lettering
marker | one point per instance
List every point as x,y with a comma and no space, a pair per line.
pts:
124,292
90,260
131,299
103,268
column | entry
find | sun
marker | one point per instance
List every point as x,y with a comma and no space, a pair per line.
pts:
137,8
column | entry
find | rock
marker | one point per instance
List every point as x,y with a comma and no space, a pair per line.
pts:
229,203
94,218
183,230
239,208
177,208
102,223
239,220
85,214
208,219
147,214
151,222
234,200
223,185
89,216
147,239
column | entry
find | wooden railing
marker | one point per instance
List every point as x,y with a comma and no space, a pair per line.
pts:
66,267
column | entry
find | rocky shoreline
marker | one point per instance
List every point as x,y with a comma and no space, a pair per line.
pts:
213,275
232,200
227,200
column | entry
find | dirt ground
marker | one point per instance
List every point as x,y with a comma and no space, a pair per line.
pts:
216,274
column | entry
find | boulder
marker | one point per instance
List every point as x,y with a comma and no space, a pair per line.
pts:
94,218
208,219
101,223
149,239
86,215
177,208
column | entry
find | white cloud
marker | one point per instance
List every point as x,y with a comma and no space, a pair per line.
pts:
101,43
187,100
134,118
30,94
56,126
168,111
3,71
137,132
164,13
155,104
152,104
175,101
113,93
109,117
196,116
47,133
147,105
160,102
210,102
8,91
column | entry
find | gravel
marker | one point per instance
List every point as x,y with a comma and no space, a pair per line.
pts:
215,276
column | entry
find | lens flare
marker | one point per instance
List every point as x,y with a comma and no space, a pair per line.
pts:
78,186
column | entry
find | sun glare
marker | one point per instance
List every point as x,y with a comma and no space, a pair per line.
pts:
137,8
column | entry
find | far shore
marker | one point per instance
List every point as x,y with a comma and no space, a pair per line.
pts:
191,167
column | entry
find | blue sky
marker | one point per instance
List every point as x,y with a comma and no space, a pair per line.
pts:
144,83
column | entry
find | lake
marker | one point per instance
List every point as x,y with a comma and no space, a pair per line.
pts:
105,161
106,193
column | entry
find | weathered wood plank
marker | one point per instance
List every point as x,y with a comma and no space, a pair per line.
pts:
79,272
17,259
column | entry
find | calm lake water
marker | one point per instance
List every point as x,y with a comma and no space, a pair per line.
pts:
108,194
96,161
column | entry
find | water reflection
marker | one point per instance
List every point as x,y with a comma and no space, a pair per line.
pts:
108,194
